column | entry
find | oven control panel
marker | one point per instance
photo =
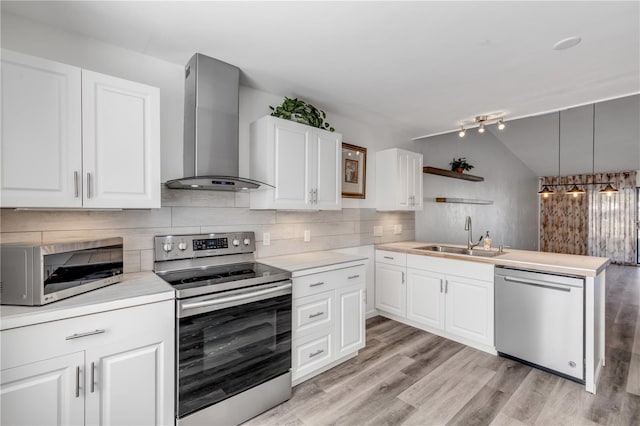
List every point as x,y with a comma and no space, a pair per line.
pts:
173,247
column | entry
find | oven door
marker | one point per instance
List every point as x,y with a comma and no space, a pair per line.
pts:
230,342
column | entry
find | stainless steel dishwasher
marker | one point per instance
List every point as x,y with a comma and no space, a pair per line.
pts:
539,319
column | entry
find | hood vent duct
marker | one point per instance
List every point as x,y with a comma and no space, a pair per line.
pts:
211,128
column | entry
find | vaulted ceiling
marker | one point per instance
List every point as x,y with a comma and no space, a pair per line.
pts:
420,68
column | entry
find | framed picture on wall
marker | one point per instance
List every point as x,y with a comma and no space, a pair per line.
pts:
354,171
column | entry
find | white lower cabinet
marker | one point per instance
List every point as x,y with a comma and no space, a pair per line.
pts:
109,368
452,298
43,393
328,318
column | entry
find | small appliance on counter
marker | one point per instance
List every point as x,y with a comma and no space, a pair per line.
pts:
233,327
37,274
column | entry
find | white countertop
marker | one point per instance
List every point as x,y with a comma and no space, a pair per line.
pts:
136,289
311,260
586,266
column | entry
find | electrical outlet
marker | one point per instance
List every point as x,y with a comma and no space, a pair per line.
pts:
307,235
397,229
266,239
377,231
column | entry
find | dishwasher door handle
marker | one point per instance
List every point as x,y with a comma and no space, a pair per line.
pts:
538,283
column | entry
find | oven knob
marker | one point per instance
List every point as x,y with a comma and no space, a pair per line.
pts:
236,243
182,246
167,246
247,241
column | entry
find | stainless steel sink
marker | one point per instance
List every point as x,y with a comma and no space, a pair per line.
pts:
459,250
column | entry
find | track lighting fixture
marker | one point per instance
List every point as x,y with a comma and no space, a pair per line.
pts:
481,121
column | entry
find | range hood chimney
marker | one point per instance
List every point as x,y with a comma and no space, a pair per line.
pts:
211,127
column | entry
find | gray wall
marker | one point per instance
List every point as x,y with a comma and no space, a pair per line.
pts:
512,219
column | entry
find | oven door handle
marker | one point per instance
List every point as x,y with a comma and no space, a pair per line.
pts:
236,298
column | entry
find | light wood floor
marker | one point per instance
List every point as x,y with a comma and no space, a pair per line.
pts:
407,376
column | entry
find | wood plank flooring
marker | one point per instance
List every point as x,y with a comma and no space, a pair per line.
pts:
405,376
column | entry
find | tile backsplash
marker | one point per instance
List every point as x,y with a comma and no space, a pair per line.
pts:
189,212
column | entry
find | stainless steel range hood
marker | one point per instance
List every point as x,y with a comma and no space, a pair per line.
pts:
211,128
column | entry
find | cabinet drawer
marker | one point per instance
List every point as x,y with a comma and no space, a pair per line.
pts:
42,341
391,258
307,285
311,353
313,313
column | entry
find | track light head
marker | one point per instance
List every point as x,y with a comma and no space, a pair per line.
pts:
462,132
501,124
481,128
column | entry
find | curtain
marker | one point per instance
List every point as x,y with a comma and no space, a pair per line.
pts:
591,224
563,218
612,219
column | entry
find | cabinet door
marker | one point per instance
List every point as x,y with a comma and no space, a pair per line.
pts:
41,163
390,289
294,165
350,320
402,184
414,181
130,374
469,309
47,392
425,298
121,143
328,185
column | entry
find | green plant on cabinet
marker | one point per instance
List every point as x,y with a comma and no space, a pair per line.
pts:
302,112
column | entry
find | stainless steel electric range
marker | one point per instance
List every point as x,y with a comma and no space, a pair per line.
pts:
233,327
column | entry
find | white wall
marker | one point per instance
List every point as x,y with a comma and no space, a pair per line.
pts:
512,220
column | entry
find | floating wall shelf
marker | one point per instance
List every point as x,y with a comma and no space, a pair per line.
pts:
449,173
462,200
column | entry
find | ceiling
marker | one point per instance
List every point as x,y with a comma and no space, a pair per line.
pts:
419,68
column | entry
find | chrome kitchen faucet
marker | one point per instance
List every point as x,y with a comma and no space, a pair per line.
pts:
467,227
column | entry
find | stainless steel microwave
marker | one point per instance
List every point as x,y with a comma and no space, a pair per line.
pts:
35,275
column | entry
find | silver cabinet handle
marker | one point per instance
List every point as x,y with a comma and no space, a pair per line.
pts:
311,197
76,189
446,286
388,257
440,286
316,284
403,278
317,314
353,277
88,185
77,381
316,353
93,380
88,333
315,195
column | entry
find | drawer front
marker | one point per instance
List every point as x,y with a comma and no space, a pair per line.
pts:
461,268
313,313
391,258
330,280
42,341
312,353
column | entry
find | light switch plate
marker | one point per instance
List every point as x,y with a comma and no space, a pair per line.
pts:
307,235
397,229
266,239
377,231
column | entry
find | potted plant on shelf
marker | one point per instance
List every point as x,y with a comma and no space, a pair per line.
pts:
302,112
460,165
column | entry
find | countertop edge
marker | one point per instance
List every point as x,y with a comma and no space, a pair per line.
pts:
503,260
136,289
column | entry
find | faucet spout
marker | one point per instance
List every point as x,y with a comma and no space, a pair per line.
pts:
468,227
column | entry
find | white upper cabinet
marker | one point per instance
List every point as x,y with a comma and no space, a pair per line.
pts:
398,180
121,142
41,133
301,162
73,138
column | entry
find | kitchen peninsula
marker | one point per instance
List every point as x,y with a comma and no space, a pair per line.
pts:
469,317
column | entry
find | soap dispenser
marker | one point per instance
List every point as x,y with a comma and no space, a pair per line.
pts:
487,242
